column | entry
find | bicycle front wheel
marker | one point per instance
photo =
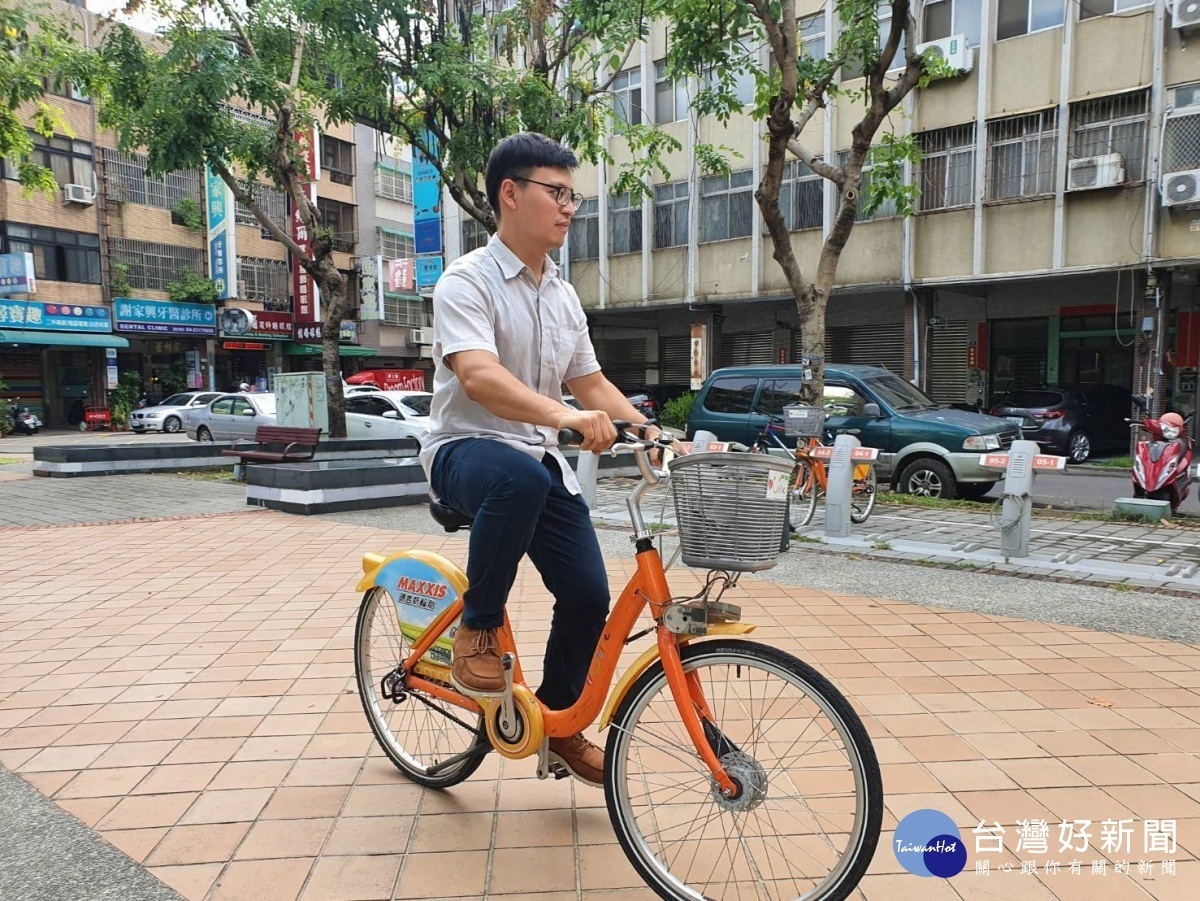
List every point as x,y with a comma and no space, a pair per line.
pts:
803,502
418,732
862,496
807,818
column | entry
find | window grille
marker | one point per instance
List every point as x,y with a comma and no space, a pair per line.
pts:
151,266
946,173
268,281
1021,155
1112,125
126,181
393,183
399,310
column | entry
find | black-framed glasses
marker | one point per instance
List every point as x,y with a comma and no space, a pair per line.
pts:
562,194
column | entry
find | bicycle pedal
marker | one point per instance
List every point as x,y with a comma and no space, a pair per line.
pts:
558,771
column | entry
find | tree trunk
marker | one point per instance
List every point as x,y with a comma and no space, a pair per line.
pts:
332,285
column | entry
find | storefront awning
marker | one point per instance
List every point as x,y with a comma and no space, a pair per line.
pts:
314,350
62,339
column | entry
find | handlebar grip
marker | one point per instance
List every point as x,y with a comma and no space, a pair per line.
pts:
570,436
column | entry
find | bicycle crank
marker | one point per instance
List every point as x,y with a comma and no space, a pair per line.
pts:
514,719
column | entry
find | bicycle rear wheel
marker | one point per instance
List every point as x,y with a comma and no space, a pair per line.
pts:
419,733
803,502
862,497
807,819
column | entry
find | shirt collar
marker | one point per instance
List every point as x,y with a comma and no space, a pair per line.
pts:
510,263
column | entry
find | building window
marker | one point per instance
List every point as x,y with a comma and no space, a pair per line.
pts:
812,35
474,234
670,95
1181,133
946,173
270,200
126,181
151,266
393,183
1018,17
801,197
584,235
401,310
1090,9
627,96
394,245
1021,153
943,18
745,86
726,206
624,225
267,281
337,158
61,87
339,218
671,214
70,161
58,255
884,210
855,68
1112,125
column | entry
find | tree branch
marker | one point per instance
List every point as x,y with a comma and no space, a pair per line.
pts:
298,56
913,71
900,18
239,28
251,204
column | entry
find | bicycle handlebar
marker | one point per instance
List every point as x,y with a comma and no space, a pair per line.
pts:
630,443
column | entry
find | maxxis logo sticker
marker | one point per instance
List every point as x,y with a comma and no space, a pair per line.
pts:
927,843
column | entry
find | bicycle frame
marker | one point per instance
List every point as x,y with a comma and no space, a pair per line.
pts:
648,586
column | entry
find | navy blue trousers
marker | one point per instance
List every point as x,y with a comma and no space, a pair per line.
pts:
521,507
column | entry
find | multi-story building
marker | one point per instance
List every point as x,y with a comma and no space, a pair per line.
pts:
1056,237
114,244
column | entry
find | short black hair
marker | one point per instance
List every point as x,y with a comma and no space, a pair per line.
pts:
518,155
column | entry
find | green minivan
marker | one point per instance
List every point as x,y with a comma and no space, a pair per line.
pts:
924,447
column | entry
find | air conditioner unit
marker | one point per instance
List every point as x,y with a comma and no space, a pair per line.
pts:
1186,15
80,194
1181,188
1090,172
957,51
419,336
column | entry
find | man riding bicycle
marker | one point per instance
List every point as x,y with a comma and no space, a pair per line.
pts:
508,333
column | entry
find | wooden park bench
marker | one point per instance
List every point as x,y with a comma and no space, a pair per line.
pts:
298,445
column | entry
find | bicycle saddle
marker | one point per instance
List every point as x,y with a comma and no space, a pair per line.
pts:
449,518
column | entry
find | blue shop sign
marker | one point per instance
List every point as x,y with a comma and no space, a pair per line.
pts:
16,273
429,270
165,317
53,317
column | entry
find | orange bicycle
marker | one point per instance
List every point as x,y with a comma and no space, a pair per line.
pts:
732,769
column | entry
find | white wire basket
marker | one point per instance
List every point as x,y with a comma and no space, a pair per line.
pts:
731,509
803,421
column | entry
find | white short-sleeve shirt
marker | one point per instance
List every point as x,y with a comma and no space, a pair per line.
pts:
488,300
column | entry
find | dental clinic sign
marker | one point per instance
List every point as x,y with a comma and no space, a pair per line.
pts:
161,317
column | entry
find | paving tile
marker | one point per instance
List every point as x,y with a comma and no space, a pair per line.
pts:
369,878
270,839
100,783
305,802
198,844
150,810
228,806
253,880
135,843
193,881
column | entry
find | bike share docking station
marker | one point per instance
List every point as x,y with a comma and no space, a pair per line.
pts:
1022,462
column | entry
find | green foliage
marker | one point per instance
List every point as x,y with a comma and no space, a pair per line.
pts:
676,411
36,49
119,279
123,398
190,287
187,213
887,159
174,380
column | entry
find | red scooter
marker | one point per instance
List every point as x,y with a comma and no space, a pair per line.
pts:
1162,465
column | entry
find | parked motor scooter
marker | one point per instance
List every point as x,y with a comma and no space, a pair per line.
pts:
23,421
1162,464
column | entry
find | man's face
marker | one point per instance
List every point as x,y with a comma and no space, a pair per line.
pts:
538,211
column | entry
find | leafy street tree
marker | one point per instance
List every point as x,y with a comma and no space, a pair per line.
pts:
469,80
36,49
181,101
723,36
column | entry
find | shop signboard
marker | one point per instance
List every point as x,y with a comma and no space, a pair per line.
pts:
54,317
347,335
111,379
429,270
222,235
427,197
16,273
164,317
305,295
400,275
254,325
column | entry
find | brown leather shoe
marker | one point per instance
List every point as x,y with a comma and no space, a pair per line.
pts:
477,668
582,759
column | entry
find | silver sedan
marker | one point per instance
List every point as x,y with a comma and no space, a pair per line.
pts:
169,415
231,416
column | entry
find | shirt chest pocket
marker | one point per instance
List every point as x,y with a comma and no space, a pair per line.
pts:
565,344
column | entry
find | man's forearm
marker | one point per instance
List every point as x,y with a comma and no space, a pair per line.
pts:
502,394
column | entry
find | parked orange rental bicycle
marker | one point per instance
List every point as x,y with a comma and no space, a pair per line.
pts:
732,769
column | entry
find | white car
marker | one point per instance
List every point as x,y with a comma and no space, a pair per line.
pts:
351,390
388,414
169,415
231,416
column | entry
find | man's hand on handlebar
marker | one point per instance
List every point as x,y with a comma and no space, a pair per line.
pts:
597,429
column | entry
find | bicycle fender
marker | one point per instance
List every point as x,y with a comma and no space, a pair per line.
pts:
651,654
376,569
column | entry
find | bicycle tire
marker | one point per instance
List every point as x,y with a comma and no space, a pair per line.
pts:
729,845
412,751
862,500
802,504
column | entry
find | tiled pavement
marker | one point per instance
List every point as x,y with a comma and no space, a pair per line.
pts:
186,689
